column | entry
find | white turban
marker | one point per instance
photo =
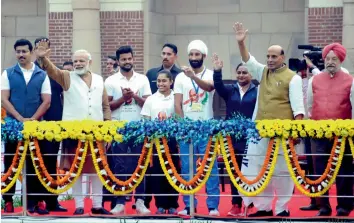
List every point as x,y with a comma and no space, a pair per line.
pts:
198,45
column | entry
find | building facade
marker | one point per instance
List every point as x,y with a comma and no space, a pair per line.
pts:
101,26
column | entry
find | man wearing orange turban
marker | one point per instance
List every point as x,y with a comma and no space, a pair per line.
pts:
327,102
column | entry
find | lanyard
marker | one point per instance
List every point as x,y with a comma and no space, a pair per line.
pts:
197,88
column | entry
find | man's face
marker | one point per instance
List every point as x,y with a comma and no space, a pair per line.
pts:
109,65
23,55
126,62
243,76
332,62
68,67
81,63
196,59
274,58
168,57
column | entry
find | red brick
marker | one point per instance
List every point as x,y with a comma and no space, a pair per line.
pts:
325,25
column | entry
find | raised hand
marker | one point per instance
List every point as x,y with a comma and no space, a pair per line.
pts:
240,32
188,71
217,63
42,48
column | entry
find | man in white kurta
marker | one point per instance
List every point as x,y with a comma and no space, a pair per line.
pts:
280,96
85,97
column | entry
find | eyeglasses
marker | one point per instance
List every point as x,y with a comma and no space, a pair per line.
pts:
242,72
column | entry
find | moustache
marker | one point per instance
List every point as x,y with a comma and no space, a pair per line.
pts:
22,58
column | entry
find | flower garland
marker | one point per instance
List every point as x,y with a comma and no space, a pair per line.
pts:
305,128
321,188
243,185
293,158
189,130
70,177
11,130
14,171
175,180
350,139
109,181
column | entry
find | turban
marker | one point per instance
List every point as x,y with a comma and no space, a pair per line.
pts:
337,48
198,45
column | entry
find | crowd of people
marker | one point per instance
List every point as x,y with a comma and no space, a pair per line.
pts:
41,91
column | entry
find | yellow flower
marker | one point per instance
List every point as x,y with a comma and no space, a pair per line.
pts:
299,127
49,136
311,133
344,133
271,133
319,133
279,130
107,138
104,130
40,136
329,134
118,138
287,126
286,134
89,137
294,134
303,133
58,138
81,136
351,132
99,137
64,135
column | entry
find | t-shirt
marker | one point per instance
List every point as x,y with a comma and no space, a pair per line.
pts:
196,103
138,83
158,106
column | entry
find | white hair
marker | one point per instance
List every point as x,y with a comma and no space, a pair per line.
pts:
85,52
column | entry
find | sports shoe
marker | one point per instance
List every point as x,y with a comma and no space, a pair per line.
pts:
140,207
214,212
235,211
119,209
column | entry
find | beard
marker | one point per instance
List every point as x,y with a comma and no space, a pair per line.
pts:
195,64
82,71
126,69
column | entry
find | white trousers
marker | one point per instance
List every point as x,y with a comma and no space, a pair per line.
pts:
96,189
279,188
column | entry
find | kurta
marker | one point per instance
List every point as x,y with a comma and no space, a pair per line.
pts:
82,100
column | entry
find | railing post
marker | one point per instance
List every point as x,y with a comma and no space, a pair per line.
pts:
191,174
24,188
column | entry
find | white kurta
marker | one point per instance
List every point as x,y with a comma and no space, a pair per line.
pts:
82,102
282,186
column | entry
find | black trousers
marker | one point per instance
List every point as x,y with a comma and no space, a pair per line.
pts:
239,149
344,184
32,182
159,184
50,162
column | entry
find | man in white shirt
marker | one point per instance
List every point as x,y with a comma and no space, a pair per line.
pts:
26,96
84,98
127,92
280,96
194,92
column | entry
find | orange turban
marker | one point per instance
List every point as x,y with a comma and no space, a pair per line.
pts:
337,48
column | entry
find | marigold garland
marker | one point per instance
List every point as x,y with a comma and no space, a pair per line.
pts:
109,181
175,180
69,176
235,177
350,140
301,185
294,160
46,180
14,171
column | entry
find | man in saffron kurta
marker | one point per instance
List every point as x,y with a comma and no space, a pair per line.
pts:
85,97
328,102
279,97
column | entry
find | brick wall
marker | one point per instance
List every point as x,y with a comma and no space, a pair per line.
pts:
325,25
60,35
122,28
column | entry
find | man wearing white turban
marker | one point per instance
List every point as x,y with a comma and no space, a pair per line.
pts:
194,91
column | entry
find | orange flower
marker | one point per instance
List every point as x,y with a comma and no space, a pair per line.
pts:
3,113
